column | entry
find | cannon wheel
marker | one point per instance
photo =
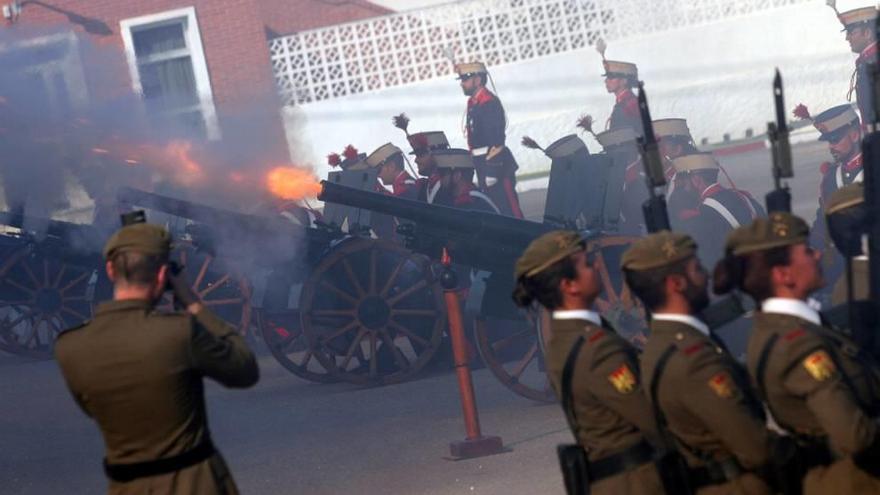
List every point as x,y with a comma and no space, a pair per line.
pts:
41,296
372,312
220,288
516,356
285,339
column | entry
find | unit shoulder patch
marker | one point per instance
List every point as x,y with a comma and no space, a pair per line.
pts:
722,384
623,380
819,365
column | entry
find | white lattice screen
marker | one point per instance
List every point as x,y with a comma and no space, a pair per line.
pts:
414,46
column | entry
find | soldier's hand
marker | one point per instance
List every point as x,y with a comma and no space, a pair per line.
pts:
184,295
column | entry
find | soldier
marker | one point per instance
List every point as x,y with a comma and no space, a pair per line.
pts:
698,391
138,373
456,168
388,159
704,208
859,27
620,145
818,386
675,140
610,416
485,126
423,145
620,79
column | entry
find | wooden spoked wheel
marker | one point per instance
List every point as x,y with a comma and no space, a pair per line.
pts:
41,296
513,350
372,312
220,288
616,303
285,339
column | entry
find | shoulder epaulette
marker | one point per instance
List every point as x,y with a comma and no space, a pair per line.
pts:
596,336
693,348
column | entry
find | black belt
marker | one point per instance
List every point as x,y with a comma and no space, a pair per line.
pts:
630,458
715,473
130,472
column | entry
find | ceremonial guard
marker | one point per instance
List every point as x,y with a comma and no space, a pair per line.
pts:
389,161
675,140
620,79
485,127
620,145
859,25
591,366
705,209
424,144
818,385
698,391
838,126
139,372
456,168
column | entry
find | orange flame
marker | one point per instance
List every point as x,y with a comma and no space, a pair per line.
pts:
292,183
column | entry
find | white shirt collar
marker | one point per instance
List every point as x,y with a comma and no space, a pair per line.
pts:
578,314
689,320
792,307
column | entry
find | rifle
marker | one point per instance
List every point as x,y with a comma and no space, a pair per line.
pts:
654,208
779,199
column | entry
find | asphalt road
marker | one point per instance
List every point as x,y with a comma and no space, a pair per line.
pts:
293,437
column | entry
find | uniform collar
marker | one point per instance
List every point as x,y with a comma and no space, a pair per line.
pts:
868,53
791,307
624,94
688,320
578,314
124,305
480,97
855,163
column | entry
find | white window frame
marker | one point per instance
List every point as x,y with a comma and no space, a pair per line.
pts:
196,51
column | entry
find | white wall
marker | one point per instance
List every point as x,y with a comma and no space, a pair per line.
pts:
717,76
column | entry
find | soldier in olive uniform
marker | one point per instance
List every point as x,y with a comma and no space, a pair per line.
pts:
612,419
820,387
700,393
138,373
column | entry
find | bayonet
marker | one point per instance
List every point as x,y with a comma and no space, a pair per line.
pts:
779,199
654,209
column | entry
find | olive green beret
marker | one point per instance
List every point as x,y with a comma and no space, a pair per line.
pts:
777,230
658,250
141,237
845,197
546,250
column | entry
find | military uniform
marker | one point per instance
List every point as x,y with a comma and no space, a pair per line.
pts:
700,389
620,144
428,186
671,129
818,385
625,113
463,194
717,210
138,374
403,185
613,419
861,80
485,127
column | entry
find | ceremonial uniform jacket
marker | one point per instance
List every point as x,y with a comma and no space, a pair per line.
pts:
626,112
610,407
818,386
864,98
138,374
475,200
404,186
710,410
720,210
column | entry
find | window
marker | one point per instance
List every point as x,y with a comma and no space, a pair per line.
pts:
167,65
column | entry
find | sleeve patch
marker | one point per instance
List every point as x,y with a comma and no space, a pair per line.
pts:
623,379
596,336
819,366
722,385
794,334
694,348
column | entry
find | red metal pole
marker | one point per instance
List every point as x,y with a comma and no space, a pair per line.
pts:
475,444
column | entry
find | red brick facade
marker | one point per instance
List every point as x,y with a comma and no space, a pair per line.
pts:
234,33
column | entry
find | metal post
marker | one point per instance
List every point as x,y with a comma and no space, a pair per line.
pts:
474,444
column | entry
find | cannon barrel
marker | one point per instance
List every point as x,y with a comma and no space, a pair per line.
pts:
479,239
